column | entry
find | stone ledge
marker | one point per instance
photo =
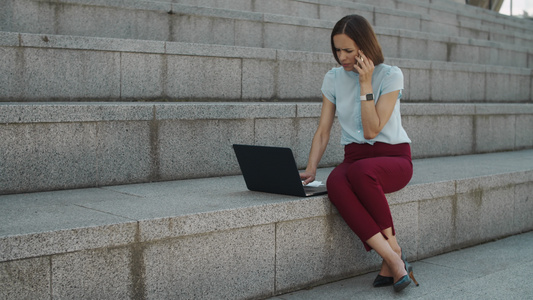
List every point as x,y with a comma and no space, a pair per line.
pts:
198,206
59,112
49,146
161,32
139,238
478,15
120,70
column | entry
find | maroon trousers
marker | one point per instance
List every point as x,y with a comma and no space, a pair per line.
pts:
358,185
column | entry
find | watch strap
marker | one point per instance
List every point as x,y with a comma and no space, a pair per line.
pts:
367,97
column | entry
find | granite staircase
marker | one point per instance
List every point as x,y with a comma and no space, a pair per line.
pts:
117,177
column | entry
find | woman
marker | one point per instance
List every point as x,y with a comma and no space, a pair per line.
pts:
365,93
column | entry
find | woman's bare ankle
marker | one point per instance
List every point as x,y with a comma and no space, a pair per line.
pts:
385,270
397,269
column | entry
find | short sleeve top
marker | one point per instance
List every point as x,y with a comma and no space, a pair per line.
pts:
342,89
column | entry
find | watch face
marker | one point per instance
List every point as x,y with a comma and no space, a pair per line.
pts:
369,96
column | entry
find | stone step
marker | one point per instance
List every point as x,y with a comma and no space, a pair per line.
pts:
441,17
472,21
37,67
194,24
50,146
213,239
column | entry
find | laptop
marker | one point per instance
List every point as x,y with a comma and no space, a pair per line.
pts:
272,170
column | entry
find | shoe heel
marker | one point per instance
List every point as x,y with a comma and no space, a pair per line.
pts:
413,277
409,270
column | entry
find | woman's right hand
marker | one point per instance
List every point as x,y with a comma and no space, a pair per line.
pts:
307,177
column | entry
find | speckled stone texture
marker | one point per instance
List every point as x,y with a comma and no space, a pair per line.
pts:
211,238
25,279
232,264
37,68
132,230
73,145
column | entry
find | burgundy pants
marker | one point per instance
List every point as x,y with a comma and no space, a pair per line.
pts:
358,185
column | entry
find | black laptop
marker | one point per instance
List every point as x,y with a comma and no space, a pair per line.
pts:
272,170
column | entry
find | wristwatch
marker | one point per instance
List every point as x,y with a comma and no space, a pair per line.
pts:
367,97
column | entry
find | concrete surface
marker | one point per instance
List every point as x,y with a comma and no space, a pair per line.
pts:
211,238
496,270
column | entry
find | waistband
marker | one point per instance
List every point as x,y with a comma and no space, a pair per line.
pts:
354,152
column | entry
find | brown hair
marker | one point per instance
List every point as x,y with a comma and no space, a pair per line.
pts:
360,31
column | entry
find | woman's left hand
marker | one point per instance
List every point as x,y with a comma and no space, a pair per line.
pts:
365,68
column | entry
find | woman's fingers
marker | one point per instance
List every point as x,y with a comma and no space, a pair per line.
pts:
362,62
364,65
307,177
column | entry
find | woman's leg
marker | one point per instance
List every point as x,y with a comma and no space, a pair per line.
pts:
393,243
371,178
392,259
348,205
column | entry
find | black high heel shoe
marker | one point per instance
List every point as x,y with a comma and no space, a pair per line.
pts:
382,281
402,283
405,280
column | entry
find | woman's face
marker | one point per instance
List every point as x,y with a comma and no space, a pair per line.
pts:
346,50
